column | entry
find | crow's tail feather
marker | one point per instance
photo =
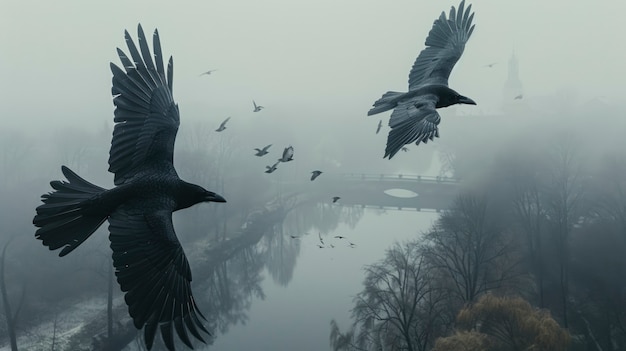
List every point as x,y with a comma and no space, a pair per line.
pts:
61,219
385,103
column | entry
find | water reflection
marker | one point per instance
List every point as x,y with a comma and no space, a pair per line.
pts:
230,274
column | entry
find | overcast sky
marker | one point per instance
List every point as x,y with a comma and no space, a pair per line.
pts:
333,58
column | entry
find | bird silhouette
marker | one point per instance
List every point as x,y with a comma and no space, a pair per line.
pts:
336,198
518,97
150,264
272,168
490,65
207,73
263,151
351,244
405,149
380,125
223,125
339,237
315,174
414,117
294,236
287,155
257,108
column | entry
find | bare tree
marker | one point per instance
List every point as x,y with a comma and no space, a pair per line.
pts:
471,250
563,207
398,307
11,318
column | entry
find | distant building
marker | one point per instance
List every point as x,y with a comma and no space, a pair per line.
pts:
513,99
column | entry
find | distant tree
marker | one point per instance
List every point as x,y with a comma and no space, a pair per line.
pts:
10,316
597,284
512,324
471,251
563,197
398,307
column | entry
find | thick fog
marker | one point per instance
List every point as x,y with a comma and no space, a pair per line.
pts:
547,78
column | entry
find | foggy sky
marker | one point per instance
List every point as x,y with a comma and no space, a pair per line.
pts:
322,59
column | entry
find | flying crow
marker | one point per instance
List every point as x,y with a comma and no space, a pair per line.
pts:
287,155
336,198
150,264
257,108
223,125
415,117
263,151
272,168
208,73
315,174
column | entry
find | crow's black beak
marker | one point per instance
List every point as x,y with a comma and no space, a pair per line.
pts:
213,197
466,100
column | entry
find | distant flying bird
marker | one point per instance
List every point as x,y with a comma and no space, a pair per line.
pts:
287,155
150,264
223,125
339,237
351,244
518,97
315,174
491,64
257,108
405,149
320,246
294,236
263,151
272,168
336,198
380,125
208,73
415,118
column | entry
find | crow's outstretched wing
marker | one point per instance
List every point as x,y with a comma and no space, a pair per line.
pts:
146,116
154,274
413,120
445,44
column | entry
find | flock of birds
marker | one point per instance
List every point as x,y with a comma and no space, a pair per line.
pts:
287,152
150,264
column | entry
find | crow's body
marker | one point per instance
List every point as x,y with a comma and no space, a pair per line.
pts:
149,261
415,118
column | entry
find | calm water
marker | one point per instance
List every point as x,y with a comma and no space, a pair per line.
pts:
296,314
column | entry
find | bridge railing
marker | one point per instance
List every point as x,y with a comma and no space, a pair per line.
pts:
396,177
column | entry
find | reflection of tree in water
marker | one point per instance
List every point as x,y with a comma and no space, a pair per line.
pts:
228,277
227,294
280,253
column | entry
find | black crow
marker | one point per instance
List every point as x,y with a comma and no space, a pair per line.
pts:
257,108
262,152
150,264
223,125
415,117
272,168
336,198
315,174
380,125
208,73
287,155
